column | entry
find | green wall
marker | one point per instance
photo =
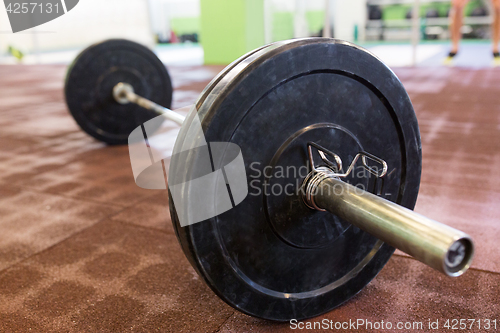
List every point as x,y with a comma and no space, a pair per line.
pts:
254,24
185,25
283,24
230,28
315,20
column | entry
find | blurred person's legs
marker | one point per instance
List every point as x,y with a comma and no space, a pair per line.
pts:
495,28
456,20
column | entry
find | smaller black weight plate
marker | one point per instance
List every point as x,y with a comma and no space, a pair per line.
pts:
90,81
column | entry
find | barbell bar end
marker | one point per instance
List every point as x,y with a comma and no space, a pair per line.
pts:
437,245
459,256
121,92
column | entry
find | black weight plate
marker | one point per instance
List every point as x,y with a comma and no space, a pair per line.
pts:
270,256
94,73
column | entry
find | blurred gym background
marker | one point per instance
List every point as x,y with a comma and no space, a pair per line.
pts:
195,32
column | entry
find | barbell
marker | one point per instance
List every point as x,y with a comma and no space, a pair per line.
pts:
306,232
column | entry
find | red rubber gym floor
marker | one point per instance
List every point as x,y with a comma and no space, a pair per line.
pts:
83,249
